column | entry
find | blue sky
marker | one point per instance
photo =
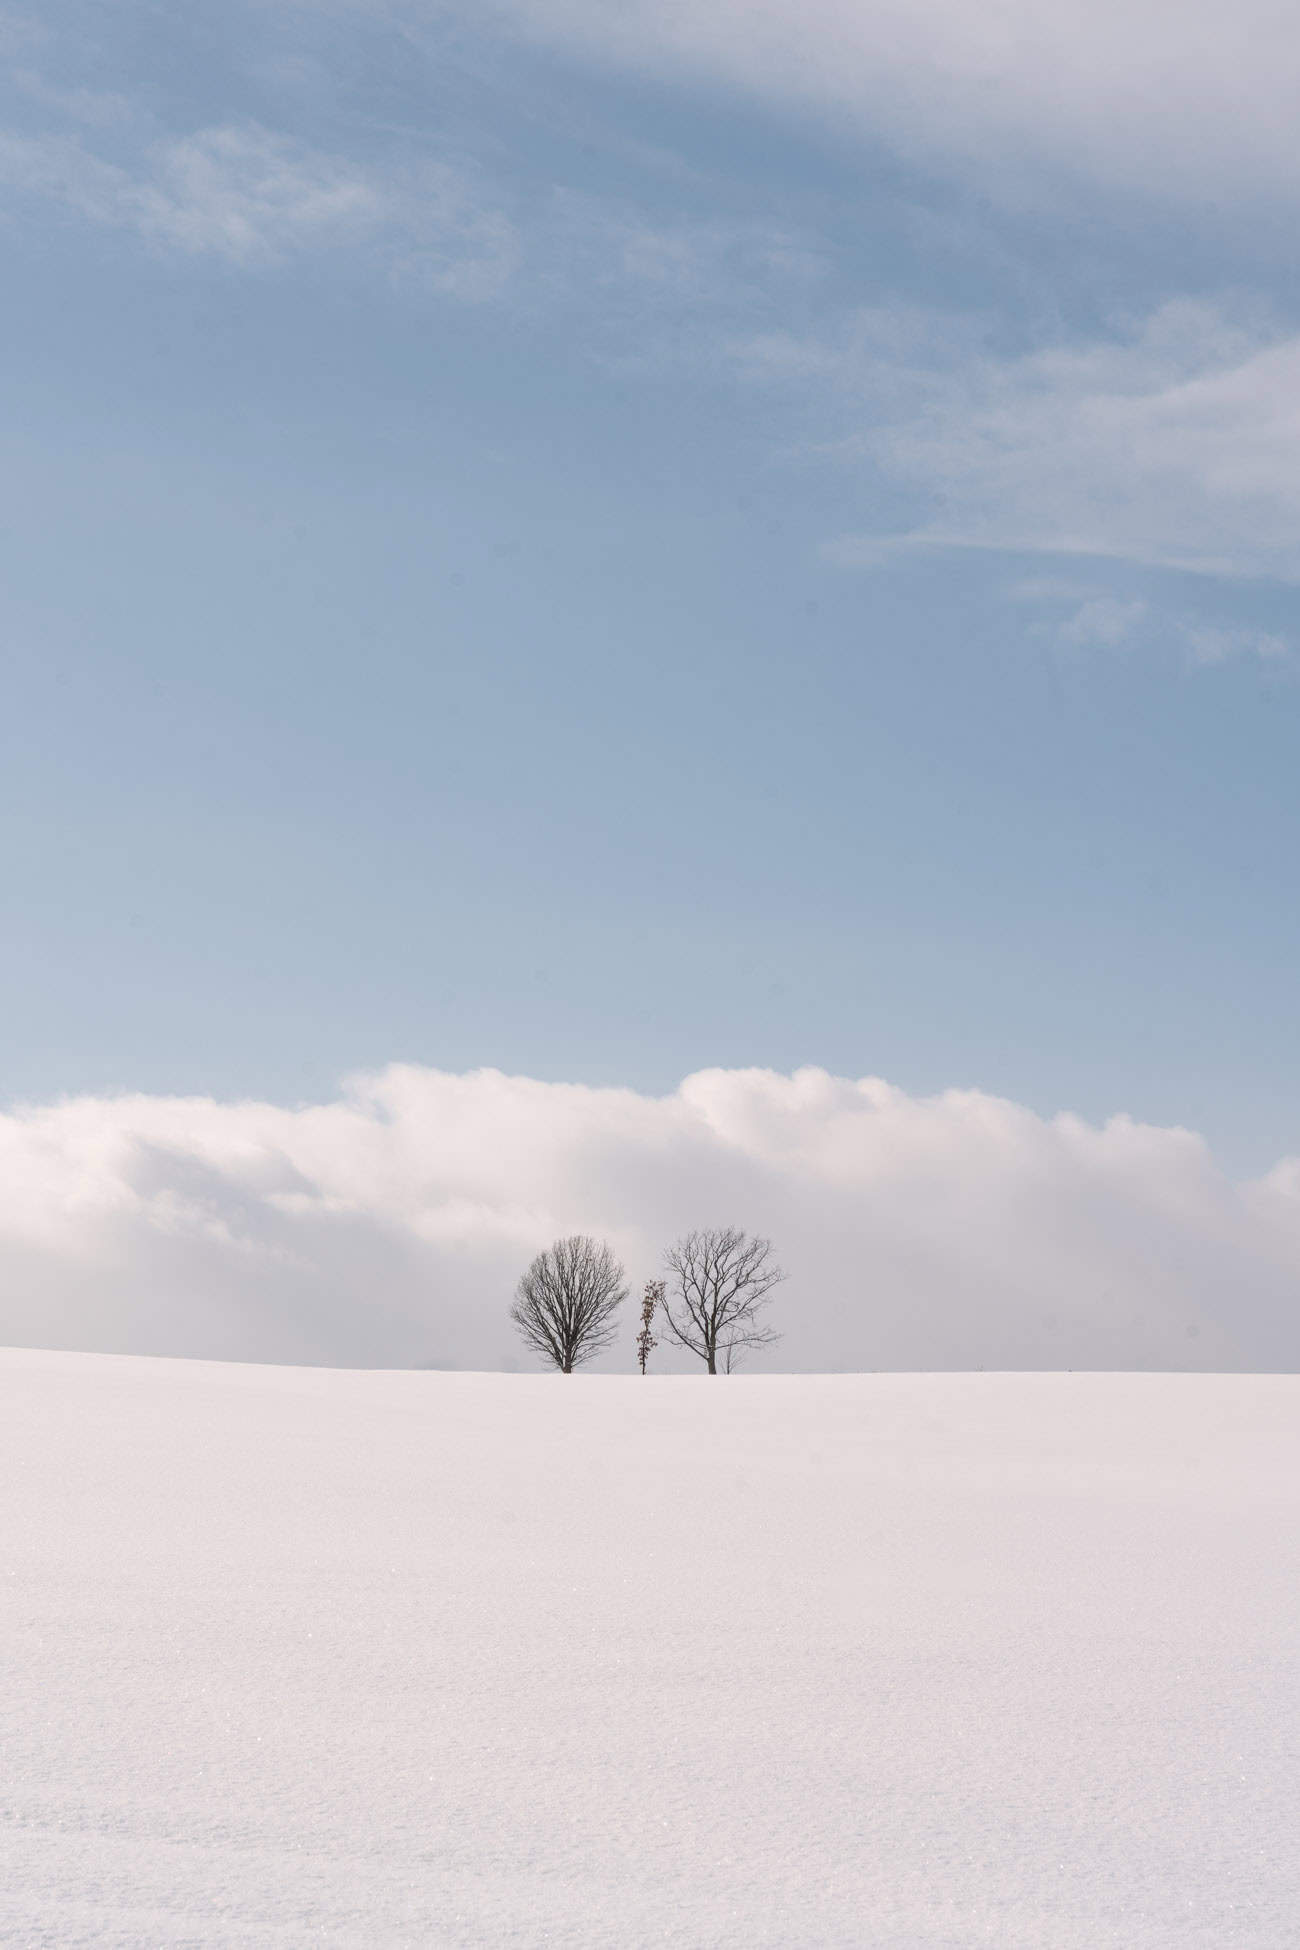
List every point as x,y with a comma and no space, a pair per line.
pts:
603,541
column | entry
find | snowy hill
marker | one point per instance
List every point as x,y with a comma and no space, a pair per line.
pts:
893,1662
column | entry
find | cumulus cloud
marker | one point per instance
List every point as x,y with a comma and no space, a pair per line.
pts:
388,1227
1110,90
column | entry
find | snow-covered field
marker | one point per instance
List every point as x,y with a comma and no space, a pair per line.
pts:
895,1662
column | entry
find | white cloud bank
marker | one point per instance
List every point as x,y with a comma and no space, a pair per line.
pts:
389,1226
1181,97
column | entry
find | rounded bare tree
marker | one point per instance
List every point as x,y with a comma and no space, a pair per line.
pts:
720,1282
566,1302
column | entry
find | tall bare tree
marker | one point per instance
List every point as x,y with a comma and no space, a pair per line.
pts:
565,1303
721,1281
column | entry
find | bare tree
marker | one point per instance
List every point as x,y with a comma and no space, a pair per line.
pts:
645,1340
565,1303
721,1281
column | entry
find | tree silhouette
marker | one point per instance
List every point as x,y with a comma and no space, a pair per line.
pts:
721,1281
565,1303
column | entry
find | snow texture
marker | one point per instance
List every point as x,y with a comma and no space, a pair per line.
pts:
889,1662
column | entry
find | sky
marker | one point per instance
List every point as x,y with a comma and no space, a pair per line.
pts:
614,543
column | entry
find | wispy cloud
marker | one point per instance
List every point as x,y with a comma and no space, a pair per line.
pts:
1078,617
240,193
1175,444
250,195
245,192
1105,620
1112,91
1208,644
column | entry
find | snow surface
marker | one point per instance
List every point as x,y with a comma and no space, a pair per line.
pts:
895,1662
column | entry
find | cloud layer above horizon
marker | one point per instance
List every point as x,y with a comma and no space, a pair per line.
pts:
388,1227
